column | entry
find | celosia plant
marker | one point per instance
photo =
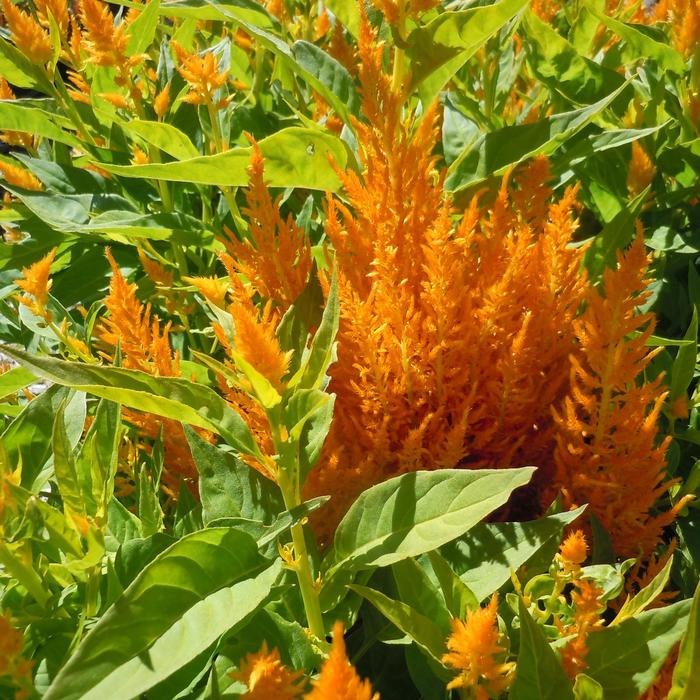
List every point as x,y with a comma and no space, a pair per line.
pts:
357,349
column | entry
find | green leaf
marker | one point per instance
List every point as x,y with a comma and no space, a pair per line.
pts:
423,631
193,633
684,365
686,679
416,513
585,688
494,152
485,559
645,597
457,594
18,70
64,466
559,66
626,658
294,157
230,488
16,117
540,675
348,13
15,380
242,10
638,45
173,398
321,355
441,47
182,600
418,590
163,136
142,30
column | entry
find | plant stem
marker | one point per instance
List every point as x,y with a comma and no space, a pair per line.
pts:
397,74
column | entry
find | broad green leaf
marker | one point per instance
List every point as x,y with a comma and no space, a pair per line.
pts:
684,365
242,10
230,488
418,512
686,678
494,152
163,136
189,636
458,597
173,398
18,70
142,30
27,440
192,575
14,116
557,64
625,659
122,526
539,675
150,512
15,380
64,467
441,47
348,13
638,45
645,597
418,590
424,632
294,157
321,355
585,688
485,559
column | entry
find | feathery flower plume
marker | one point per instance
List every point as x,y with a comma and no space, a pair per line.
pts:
641,170
33,41
586,601
35,282
277,256
573,552
338,679
606,443
396,10
201,73
212,289
267,677
161,103
14,175
474,651
57,8
104,42
684,18
12,665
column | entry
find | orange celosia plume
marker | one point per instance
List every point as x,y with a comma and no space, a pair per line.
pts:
474,651
14,175
267,677
606,443
29,37
35,281
201,73
338,679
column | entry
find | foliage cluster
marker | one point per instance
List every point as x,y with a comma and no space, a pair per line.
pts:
349,349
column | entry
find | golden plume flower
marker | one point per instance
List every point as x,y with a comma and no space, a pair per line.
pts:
607,453
641,170
573,551
161,103
683,16
12,665
338,679
139,157
14,175
35,282
28,35
213,289
475,652
81,90
201,73
267,677
587,611
397,10
58,9
276,258
115,99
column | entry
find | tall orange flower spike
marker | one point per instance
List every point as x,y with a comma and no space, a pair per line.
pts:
14,175
35,281
607,453
338,679
394,10
268,678
12,664
588,608
28,35
145,346
641,170
276,257
202,75
474,651
104,42
57,8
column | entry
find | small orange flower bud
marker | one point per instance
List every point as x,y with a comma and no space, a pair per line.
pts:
161,104
19,177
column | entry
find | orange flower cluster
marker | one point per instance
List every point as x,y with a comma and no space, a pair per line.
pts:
641,170
29,37
684,18
474,651
202,75
396,10
145,346
267,677
12,665
35,282
19,177
606,440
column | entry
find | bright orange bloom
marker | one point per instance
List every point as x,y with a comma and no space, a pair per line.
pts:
57,8
684,18
475,652
606,445
322,24
641,170
573,551
33,41
14,175
267,677
201,73
339,679
161,103
35,281
586,619
12,665
81,92
104,42
277,256
393,10
212,289
115,99
139,157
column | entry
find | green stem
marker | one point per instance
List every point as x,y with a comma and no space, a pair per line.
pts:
25,575
397,74
92,592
